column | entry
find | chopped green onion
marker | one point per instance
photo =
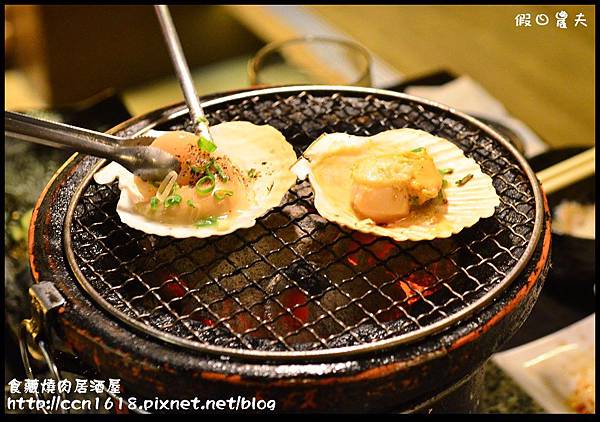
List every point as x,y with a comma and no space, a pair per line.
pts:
210,179
464,180
220,172
205,222
417,149
153,202
207,169
191,203
446,171
172,200
208,166
221,194
206,145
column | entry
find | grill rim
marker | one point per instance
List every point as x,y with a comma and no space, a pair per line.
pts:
170,112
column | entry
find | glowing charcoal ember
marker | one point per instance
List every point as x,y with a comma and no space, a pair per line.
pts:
371,251
384,249
420,280
207,322
397,292
294,301
176,288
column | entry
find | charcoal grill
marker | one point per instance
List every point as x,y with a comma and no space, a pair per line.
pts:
295,308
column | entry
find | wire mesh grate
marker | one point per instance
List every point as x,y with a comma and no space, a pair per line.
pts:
294,281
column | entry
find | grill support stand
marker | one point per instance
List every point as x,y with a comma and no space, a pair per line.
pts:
35,337
34,332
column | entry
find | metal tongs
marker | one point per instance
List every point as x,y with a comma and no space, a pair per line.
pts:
149,163
182,70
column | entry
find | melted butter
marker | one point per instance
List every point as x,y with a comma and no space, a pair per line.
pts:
429,214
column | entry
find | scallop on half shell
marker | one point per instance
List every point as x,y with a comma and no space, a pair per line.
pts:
467,194
216,191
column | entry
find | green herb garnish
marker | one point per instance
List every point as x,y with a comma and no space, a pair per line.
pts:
206,145
191,203
154,202
252,173
172,200
417,149
210,168
446,171
464,180
220,172
440,195
221,194
205,185
206,222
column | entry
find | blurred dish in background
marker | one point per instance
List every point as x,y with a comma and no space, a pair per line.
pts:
310,61
573,254
558,370
575,219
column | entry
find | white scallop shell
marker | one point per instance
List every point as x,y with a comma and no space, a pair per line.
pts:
466,204
248,146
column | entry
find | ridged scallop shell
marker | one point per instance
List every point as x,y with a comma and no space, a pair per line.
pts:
248,146
466,204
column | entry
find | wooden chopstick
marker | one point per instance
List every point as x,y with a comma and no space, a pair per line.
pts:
569,171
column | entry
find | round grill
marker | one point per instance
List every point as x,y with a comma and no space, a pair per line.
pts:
296,285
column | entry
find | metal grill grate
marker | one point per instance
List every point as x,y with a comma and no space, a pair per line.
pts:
295,284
